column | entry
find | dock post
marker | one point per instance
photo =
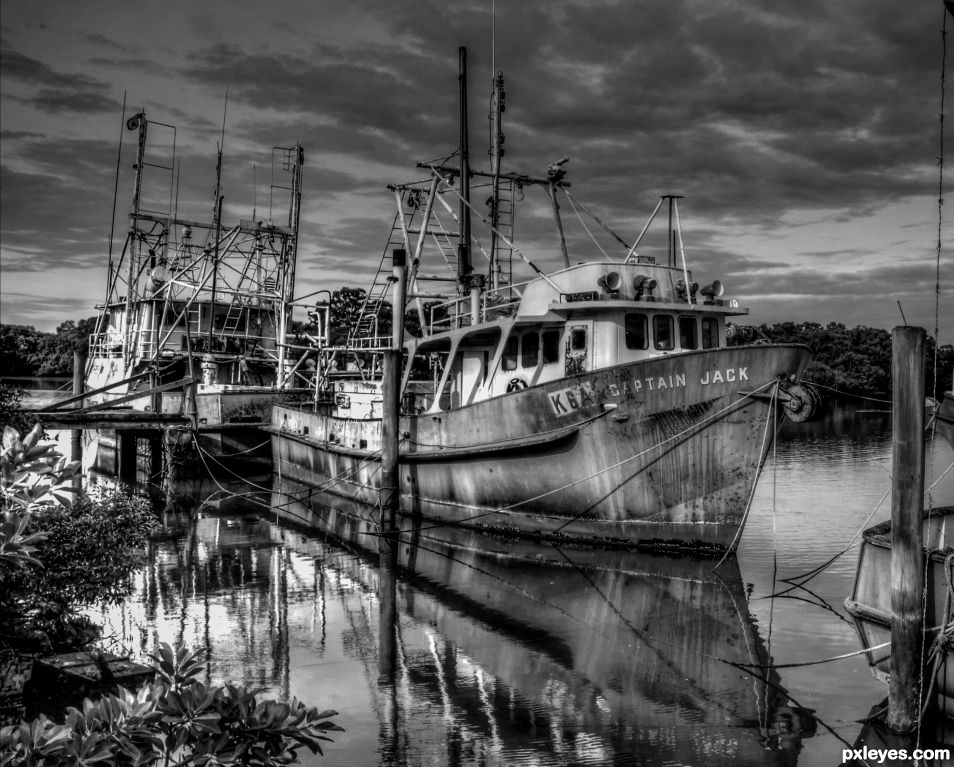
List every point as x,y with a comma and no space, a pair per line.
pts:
155,459
79,386
907,534
391,396
390,492
126,444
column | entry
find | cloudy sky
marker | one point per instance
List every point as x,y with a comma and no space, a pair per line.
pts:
804,135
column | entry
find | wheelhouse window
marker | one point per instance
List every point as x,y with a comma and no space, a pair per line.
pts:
688,338
663,332
637,331
578,340
710,332
530,349
509,359
551,346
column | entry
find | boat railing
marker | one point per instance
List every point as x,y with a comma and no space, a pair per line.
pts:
455,312
108,343
369,343
144,343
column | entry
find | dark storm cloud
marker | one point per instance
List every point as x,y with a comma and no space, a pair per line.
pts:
16,66
374,97
68,182
57,101
741,103
751,109
56,92
101,41
737,106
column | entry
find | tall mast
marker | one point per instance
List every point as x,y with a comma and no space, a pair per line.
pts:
294,160
217,222
137,121
496,152
464,266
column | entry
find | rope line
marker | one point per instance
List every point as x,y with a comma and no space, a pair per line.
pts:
799,581
587,229
819,662
851,394
748,503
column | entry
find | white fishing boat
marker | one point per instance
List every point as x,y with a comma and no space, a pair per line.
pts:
196,311
599,401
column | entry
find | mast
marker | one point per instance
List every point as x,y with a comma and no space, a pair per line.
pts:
496,152
294,162
464,266
137,121
217,222
469,280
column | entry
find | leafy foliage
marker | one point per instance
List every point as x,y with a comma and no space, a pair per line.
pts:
58,553
34,475
11,398
175,720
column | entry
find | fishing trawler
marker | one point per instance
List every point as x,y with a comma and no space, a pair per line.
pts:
196,311
599,401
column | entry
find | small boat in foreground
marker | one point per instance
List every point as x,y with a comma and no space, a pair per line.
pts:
870,602
599,402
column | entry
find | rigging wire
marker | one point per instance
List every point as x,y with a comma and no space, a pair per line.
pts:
587,229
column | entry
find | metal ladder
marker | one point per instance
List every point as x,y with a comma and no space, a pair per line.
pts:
366,326
194,320
505,225
233,319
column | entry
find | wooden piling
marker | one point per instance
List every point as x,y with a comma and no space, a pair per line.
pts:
390,477
907,535
391,396
126,449
79,374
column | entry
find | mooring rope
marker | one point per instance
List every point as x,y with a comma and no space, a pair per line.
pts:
937,648
748,503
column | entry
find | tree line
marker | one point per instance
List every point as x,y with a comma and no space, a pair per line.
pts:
26,351
853,360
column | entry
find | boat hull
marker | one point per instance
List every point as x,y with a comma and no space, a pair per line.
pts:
663,452
228,417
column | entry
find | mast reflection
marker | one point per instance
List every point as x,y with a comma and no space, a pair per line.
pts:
461,648
585,655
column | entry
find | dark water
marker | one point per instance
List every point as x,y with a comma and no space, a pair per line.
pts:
474,650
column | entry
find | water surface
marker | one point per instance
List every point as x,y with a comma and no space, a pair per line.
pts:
475,650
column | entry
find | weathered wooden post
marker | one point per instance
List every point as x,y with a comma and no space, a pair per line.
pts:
907,534
126,454
391,396
79,372
390,493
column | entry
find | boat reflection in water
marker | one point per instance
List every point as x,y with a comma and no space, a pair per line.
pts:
461,648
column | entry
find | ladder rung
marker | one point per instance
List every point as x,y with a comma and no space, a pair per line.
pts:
434,232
